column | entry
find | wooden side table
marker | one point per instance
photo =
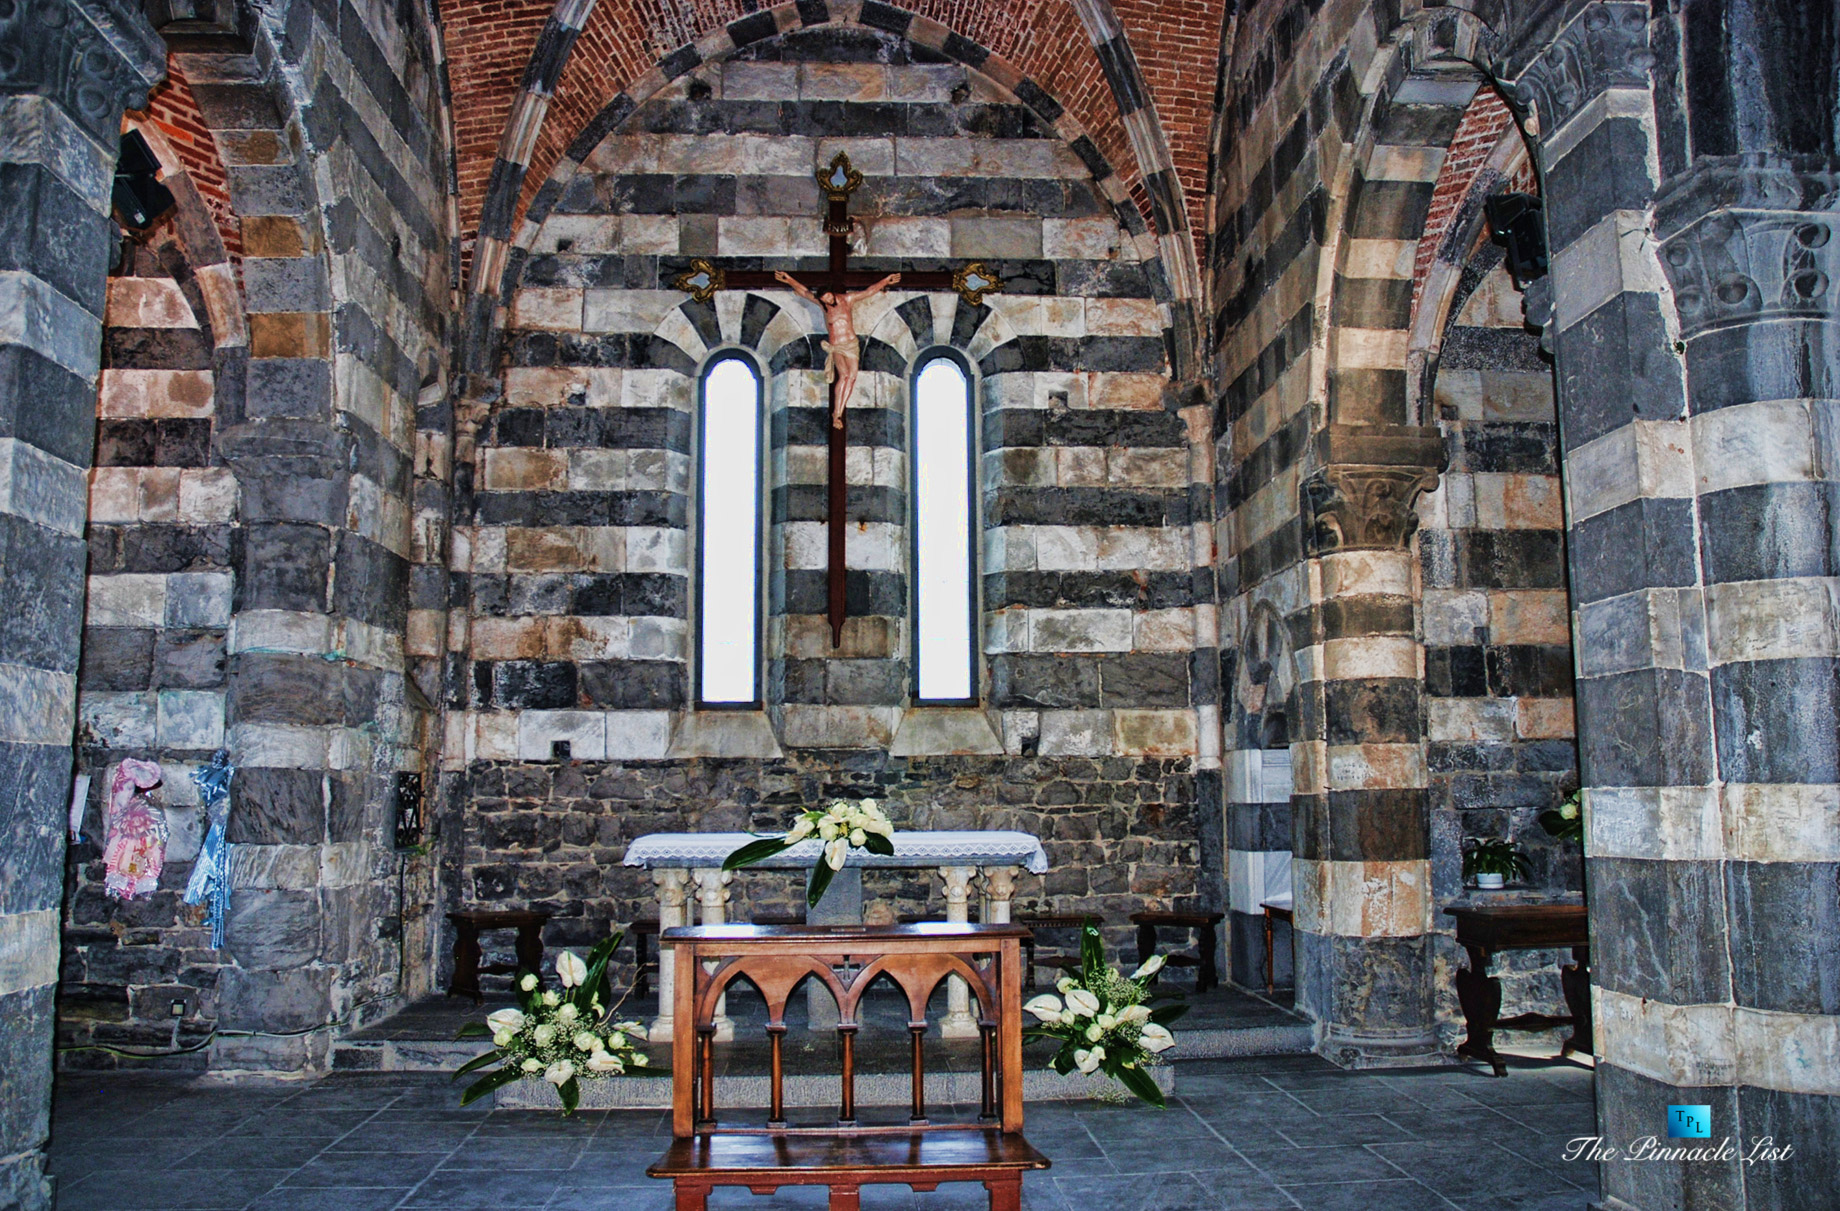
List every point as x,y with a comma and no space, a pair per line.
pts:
467,926
1485,932
1278,908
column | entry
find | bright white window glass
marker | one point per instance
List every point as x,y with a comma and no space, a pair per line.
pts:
942,531
729,523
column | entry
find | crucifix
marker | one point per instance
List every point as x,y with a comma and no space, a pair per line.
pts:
836,290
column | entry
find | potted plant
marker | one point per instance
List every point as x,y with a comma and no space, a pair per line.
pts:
1565,822
1492,862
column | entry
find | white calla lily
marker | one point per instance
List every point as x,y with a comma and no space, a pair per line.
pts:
1149,967
558,1074
605,1063
506,1019
835,852
1089,1061
801,829
1082,1002
570,969
1135,1014
1156,1037
1045,1007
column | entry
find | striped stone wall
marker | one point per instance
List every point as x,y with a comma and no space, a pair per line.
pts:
71,73
578,560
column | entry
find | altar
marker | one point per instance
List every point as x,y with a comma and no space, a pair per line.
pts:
990,859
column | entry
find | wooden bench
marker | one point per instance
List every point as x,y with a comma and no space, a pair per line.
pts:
1039,921
467,927
846,1153
1203,923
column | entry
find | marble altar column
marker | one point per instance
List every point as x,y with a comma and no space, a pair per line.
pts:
672,911
712,897
958,1022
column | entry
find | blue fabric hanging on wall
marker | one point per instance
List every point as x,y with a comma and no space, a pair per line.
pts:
210,882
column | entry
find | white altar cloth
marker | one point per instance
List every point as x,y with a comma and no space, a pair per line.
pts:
656,851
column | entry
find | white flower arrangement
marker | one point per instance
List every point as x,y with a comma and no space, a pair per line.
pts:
843,826
565,1037
1105,1022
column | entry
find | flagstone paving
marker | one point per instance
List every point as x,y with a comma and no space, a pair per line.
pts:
1270,1134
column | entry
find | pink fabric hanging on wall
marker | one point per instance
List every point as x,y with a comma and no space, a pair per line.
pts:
136,848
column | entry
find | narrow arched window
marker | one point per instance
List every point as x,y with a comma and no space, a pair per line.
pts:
945,548
728,535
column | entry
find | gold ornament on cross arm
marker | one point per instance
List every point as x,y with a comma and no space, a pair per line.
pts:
702,281
974,281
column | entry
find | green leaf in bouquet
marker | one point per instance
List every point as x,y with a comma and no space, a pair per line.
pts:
1166,1014
496,1080
473,1030
1140,1082
875,843
1092,954
478,1062
755,851
820,879
571,1095
596,983
648,1070
1063,1061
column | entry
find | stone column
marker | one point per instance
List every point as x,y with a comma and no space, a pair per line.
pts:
68,70
1698,362
958,1022
712,897
999,890
1361,873
673,910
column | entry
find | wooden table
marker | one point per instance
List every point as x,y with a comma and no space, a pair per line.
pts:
1278,908
1485,932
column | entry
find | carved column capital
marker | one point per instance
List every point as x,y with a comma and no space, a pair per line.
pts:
1367,481
1605,46
94,57
1742,265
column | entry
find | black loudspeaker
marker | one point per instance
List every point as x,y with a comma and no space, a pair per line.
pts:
1519,223
139,198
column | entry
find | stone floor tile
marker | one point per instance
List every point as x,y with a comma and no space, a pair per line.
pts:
484,1190
366,1169
329,1198
1401,1194
515,1152
1341,1129
170,1190
255,1151
1328,1164
1474,1173
619,1198
316,1124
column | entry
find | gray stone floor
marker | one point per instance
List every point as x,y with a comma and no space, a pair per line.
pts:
1283,1132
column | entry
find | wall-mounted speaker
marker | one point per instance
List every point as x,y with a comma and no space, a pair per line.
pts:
139,198
1519,223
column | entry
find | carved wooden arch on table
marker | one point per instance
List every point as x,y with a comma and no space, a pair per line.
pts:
776,977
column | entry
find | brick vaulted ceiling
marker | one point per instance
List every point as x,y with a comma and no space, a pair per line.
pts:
490,42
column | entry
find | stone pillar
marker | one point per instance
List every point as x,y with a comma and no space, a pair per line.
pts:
712,897
1698,364
1361,872
958,1022
68,70
673,910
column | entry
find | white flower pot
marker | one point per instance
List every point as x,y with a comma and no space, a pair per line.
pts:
1490,882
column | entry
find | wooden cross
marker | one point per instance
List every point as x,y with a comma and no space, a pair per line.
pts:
972,283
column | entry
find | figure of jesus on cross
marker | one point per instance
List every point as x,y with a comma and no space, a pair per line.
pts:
844,349
836,290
